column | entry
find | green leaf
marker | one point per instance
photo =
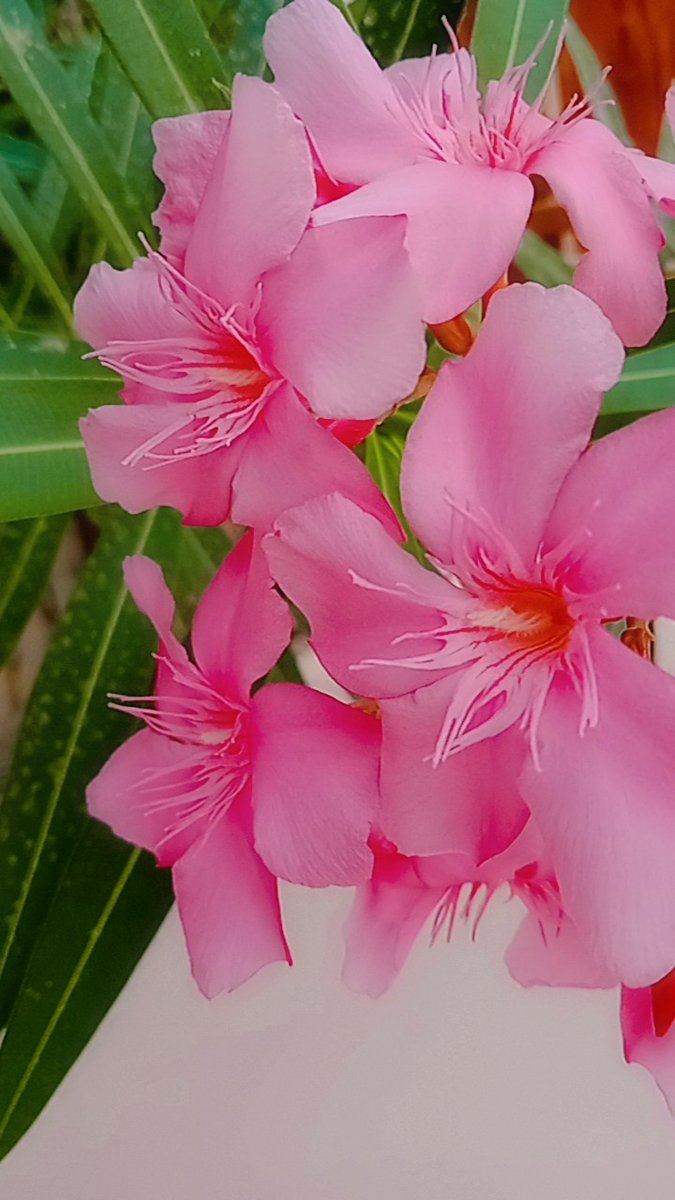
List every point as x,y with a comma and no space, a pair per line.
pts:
26,236
27,553
384,452
589,70
43,393
102,644
165,49
239,28
647,383
109,904
26,159
402,27
54,105
540,262
507,31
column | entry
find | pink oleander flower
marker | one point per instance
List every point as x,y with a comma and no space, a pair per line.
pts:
392,908
419,139
497,665
647,1021
247,329
231,791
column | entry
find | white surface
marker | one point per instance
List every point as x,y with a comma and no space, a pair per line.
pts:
456,1086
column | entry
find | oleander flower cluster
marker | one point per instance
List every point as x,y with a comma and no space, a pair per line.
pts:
496,732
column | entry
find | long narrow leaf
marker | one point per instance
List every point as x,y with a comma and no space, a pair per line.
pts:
102,644
110,902
24,233
43,467
647,383
165,48
506,33
58,112
27,553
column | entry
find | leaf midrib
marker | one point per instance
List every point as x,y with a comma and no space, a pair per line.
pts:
154,34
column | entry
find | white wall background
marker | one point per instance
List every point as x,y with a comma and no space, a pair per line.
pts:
456,1086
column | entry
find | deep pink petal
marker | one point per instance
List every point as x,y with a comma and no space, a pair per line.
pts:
469,804
551,954
314,554
186,151
619,497
342,322
458,247
641,1045
124,794
596,180
123,305
258,198
659,176
229,905
199,487
605,806
501,429
145,580
289,458
315,786
241,625
335,86
389,913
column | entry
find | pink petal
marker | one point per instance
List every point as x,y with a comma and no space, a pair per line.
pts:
619,497
641,1045
121,305
229,906
241,625
551,954
186,152
468,804
604,804
314,554
124,794
520,407
342,322
145,580
258,198
335,86
388,915
659,177
595,179
457,248
289,458
315,786
199,487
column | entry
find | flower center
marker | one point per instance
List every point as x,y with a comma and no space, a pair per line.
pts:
532,616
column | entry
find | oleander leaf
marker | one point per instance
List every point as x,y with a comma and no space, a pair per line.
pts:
27,553
506,32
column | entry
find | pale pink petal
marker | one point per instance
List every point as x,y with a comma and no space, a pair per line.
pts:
186,151
388,914
125,305
659,176
199,487
595,179
335,86
458,248
229,905
289,458
605,805
145,580
360,591
342,322
469,804
315,786
258,199
641,1044
619,498
502,428
125,794
551,954
242,625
